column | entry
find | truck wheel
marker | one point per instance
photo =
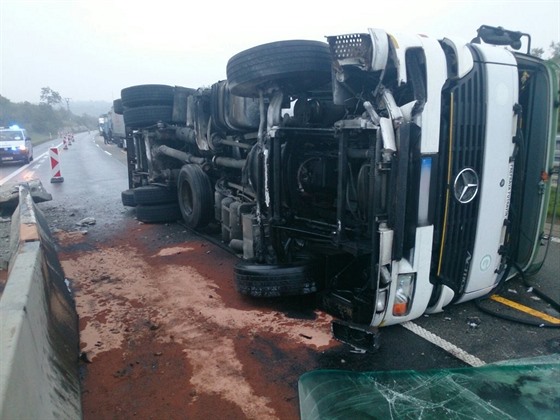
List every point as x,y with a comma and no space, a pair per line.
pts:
127,198
118,106
262,280
196,198
143,95
146,116
293,66
158,213
154,194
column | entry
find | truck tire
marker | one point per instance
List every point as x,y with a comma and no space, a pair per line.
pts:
196,198
147,116
158,213
293,66
118,106
154,194
143,95
262,280
127,198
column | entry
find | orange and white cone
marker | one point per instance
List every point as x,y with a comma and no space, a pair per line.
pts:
55,165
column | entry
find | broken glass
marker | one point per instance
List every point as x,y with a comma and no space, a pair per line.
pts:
528,389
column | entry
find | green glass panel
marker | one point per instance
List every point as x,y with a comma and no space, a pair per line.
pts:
528,390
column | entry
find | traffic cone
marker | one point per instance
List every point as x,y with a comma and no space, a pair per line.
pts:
55,167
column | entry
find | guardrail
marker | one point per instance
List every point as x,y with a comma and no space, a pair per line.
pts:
39,337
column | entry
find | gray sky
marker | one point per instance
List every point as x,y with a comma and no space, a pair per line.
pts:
91,49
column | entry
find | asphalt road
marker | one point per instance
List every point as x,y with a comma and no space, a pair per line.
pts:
95,174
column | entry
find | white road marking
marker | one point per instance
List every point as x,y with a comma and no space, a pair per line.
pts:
107,152
443,344
13,174
24,167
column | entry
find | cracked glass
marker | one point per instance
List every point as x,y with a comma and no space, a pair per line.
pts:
528,389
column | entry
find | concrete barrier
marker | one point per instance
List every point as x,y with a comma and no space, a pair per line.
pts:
39,337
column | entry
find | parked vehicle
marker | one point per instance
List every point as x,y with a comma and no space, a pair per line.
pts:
391,174
104,126
118,129
112,127
15,145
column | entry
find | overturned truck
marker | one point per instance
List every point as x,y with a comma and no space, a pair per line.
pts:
392,175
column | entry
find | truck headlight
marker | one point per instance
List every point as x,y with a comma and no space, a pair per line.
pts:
403,294
381,301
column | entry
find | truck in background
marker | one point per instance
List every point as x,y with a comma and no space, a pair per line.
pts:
118,129
390,174
112,127
104,126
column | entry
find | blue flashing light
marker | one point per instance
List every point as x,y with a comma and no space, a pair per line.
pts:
14,127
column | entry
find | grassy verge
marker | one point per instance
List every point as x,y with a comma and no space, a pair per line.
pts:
38,138
553,193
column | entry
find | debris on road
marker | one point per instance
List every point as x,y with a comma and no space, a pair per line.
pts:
473,321
88,221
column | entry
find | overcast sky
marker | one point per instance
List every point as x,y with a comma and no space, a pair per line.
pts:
91,49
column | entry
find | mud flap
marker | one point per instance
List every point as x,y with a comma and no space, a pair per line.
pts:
360,336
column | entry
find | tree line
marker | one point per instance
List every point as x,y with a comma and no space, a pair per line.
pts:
45,118
554,49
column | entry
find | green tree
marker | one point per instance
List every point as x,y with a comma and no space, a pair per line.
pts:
6,112
555,52
50,97
537,52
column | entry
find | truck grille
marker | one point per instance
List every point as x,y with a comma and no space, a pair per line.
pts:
353,49
465,149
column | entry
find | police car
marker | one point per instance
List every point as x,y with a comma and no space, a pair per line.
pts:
15,145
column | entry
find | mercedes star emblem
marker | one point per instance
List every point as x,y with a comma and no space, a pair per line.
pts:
466,186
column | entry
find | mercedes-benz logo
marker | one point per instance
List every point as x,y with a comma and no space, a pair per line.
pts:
466,186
